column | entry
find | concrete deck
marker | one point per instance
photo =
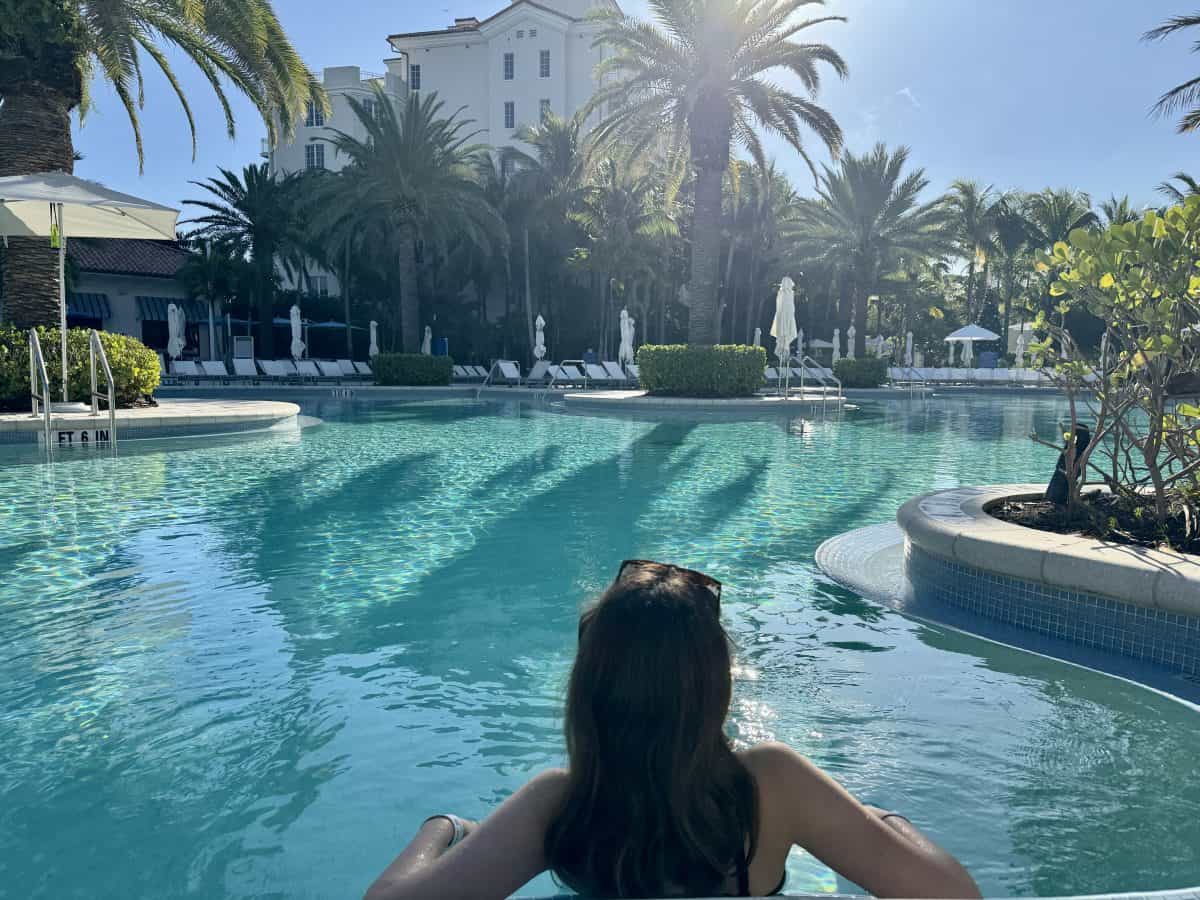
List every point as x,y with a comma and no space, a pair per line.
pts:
172,416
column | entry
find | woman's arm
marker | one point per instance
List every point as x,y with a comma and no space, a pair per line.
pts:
890,858
496,858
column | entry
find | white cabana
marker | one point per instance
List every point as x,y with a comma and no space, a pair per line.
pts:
373,350
783,328
57,205
967,336
297,326
427,342
539,337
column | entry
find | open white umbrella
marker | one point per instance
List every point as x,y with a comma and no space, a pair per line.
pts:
176,331
297,325
539,337
625,350
783,327
373,350
427,342
58,206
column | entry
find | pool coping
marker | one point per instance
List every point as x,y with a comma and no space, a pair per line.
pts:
955,525
638,399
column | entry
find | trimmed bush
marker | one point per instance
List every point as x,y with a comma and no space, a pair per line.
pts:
134,366
865,372
731,370
414,369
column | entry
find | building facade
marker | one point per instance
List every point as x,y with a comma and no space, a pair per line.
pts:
509,69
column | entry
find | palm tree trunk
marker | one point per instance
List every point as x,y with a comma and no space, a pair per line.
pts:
346,300
528,295
703,326
410,310
35,136
971,290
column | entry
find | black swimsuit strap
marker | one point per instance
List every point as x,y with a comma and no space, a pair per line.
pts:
743,876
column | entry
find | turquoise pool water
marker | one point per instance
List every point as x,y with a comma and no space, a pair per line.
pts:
250,668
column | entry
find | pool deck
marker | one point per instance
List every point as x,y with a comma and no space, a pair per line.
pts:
757,403
172,416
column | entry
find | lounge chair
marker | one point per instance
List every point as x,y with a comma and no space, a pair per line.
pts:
539,374
505,371
480,372
347,368
363,369
635,374
306,368
596,373
185,368
244,368
214,368
329,369
273,369
460,373
616,372
567,376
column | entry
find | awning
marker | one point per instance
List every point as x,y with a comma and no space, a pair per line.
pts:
88,306
154,309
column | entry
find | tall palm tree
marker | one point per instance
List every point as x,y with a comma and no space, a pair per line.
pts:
49,53
414,175
1054,214
973,210
1013,235
1188,187
1185,96
255,216
697,74
1118,211
867,216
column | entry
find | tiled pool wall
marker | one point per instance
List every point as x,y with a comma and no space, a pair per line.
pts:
127,433
1155,636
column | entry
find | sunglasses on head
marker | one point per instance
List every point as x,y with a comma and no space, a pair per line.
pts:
663,570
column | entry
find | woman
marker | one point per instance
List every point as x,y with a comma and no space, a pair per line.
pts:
655,803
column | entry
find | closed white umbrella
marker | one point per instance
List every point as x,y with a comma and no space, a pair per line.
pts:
1023,344
176,331
297,324
783,327
539,337
908,349
58,205
427,342
968,354
373,350
837,344
625,350
757,337
851,333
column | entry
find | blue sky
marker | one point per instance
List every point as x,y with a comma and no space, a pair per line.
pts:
1018,93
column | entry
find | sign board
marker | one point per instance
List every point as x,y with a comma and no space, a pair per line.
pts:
80,437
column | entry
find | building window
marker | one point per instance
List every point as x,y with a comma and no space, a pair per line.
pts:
414,77
509,67
544,109
371,107
314,156
544,64
510,114
533,32
315,117
520,34
320,285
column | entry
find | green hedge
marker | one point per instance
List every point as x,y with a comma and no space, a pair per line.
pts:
411,369
722,371
866,372
134,366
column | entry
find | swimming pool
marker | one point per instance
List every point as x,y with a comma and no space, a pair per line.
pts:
251,667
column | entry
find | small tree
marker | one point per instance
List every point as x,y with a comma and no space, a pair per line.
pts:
1142,279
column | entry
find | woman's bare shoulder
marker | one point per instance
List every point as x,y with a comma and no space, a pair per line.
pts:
773,760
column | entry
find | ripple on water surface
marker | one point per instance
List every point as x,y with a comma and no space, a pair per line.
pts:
252,668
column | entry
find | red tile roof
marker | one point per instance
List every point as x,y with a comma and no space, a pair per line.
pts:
124,256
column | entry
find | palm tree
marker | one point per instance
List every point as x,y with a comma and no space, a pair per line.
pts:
255,217
867,216
1054,214
698,73
1185,96
973,209
49,52
1013,235
1118,211
415,177
1190,187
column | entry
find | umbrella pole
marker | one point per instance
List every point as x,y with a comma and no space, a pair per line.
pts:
62,297
212,352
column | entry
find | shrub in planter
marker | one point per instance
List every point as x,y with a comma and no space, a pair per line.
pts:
415,369
721,371
134,366
865,372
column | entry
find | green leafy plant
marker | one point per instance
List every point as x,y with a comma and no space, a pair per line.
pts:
413,369
680,370
861,372
135,367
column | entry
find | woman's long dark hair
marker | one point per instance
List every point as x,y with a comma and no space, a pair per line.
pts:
657,803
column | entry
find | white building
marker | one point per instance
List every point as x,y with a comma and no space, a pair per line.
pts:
508,69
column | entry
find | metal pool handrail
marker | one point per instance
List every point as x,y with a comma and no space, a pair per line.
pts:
806,361
96,351
38,376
